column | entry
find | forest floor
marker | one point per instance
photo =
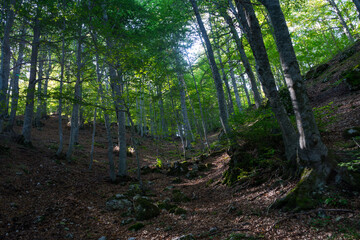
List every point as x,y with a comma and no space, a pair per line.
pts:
42,197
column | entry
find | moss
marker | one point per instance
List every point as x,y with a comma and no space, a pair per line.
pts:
136,227
300,197
144,209
352,78
178,211
179,196
166,205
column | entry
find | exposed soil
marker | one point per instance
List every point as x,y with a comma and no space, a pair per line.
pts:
42,197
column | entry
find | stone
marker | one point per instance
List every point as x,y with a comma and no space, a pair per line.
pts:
145,209
127,221
102,238
136,227
178,169
185,237
118,204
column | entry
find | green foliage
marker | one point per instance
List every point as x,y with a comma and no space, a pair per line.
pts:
136,226
159,163
354,164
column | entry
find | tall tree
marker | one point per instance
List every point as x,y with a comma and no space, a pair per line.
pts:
214,70
5,61
357,5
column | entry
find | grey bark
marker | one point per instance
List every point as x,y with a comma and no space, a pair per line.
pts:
236,91
214,70
48,71
16,75
164,129
245,90
200,106
342,21
93,139
312,151
62,66
39,91
186,122
30,95
252,28
74,130
243,56
5,63
106,115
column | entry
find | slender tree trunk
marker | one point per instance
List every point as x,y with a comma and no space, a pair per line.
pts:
246,90
62,66
39,92
236,91
74,130
214,70
342,21
5,63
16,75
186,122
244,58
29,109
200,106
164,129
93,139
252,28
48,71
312,151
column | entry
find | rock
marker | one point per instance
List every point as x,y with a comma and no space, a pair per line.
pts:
136,227
102,238
213,230
134,189
178,169
145,209
185,237
131,238
176,180
178,211
127,221
69,235
119,202
192,174
179,196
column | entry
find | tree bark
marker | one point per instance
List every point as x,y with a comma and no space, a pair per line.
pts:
312,151
74,130
5,63
244,58
16,75
245,90
39,92
214,70
186,122
252,28
236,91
30,95
48,71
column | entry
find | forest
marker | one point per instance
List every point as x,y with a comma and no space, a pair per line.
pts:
192,119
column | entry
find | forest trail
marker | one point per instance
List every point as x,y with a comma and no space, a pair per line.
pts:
46,198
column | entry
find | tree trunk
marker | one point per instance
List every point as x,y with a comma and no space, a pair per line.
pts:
200,106
214,70
48,71
236,91
245,90
186,122
16,75
312,151
74,130
29,109
252,27
62,66
244,58
39,92
5,63
162,113
342,21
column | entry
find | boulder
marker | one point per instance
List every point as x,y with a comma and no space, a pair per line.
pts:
144,208
118,202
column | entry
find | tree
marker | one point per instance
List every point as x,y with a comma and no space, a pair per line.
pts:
214,70
5,61
357,5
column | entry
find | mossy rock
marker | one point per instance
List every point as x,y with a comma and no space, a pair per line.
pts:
179,196
302,197
144,208
178,211
166,205
178,169
176,180
316,71
136,227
